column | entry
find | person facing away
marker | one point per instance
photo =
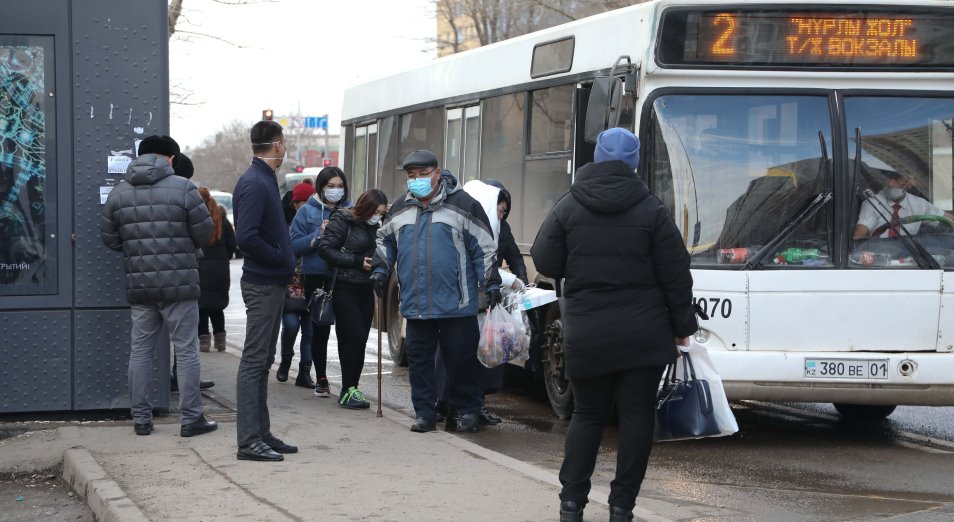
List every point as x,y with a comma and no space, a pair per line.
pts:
214,277
331,193
262,234
348,246
441,242
295,311
158,221
883,217
627,301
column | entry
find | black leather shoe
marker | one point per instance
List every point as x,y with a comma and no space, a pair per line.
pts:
468,422
571,511
279,446
282,373
259,451
142,429
198,427
422,425
618,514
205,385
487,418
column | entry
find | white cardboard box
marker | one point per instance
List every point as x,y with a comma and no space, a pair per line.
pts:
535,297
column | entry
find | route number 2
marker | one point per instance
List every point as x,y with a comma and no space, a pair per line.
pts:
722,47
714,306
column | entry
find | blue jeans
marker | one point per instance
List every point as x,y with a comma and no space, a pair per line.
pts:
291,323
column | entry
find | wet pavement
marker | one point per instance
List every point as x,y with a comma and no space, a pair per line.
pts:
788,462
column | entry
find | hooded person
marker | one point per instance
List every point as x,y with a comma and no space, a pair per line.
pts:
627,301
159,222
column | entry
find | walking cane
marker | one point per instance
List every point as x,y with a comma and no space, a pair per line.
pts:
379,313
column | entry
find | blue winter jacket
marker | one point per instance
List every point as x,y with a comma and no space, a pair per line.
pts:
445,253
306,231
260,228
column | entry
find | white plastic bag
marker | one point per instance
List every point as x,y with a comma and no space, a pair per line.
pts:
499,338
706,371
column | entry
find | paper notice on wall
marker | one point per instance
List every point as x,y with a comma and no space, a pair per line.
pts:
117,164
104,193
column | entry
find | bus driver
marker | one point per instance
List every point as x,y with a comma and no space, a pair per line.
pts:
896,201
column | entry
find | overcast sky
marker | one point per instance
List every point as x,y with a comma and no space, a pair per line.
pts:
296,52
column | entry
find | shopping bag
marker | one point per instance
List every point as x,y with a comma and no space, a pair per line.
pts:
706,371
498,338
320,308
684,409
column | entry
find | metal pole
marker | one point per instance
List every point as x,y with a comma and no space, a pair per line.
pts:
327,152
378,312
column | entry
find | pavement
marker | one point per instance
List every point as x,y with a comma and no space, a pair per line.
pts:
352,465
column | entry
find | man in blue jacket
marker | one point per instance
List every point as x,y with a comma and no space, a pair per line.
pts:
441,240
262,234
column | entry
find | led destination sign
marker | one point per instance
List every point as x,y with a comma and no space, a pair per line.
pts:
808,38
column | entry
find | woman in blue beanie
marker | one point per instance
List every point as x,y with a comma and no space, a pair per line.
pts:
627,304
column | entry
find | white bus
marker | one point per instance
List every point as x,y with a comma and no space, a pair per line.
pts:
766,128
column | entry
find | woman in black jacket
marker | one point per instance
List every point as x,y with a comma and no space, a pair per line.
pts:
627,303
214,277
347,245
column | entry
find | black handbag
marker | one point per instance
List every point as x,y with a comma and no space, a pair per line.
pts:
320,307
684,407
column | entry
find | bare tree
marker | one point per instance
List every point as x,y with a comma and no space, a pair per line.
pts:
223,157
495,20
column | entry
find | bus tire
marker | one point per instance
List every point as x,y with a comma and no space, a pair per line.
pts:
554,368
396,324
866,412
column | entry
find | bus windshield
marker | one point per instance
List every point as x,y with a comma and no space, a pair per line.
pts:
734,170
903,183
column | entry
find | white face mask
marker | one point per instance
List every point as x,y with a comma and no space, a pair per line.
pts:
334,195
894,193
375,219
281,159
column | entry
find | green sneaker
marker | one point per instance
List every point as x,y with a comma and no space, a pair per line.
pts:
353,399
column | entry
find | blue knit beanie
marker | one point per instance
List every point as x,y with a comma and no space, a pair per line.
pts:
617,144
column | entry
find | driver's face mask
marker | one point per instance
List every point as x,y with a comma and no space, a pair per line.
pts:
894,193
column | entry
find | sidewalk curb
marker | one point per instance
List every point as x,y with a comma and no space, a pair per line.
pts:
104,497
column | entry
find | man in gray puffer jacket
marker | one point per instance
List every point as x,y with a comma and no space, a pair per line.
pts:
159,221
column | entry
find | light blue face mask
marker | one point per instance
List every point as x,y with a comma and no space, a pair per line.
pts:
420,187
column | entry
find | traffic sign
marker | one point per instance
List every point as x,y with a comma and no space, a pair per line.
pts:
304,122
316,122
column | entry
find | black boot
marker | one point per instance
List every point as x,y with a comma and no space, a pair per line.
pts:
282,374
618,514
571,511
304,376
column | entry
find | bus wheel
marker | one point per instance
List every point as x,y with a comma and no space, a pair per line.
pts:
864,411
397,325
554,374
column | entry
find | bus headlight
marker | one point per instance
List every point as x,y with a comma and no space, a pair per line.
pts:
701,335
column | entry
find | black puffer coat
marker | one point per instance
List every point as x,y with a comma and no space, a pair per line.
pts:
214,275
628,289
158,221
348,257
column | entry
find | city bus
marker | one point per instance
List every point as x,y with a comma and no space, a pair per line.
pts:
771,130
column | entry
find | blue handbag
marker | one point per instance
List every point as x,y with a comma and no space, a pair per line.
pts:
684,407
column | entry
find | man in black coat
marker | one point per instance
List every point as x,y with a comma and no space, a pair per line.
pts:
627,303
159,221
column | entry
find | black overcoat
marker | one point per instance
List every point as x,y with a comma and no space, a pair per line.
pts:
214,275
628,289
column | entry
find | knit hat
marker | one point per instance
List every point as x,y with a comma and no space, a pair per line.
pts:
302,191
163,145
420,158
183,166
617,144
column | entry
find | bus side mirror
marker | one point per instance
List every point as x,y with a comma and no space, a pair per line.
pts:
602,110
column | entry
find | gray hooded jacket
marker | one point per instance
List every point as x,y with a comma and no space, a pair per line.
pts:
158,221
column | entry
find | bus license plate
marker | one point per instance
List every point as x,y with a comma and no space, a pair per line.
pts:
846,368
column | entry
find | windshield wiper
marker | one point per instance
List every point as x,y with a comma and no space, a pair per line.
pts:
911,243
803,216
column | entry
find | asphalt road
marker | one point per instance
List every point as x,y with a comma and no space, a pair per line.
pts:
788,461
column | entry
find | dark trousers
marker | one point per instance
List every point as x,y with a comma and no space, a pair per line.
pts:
263,311
216,316
354,309
320,334
635,393
457,340
292,322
